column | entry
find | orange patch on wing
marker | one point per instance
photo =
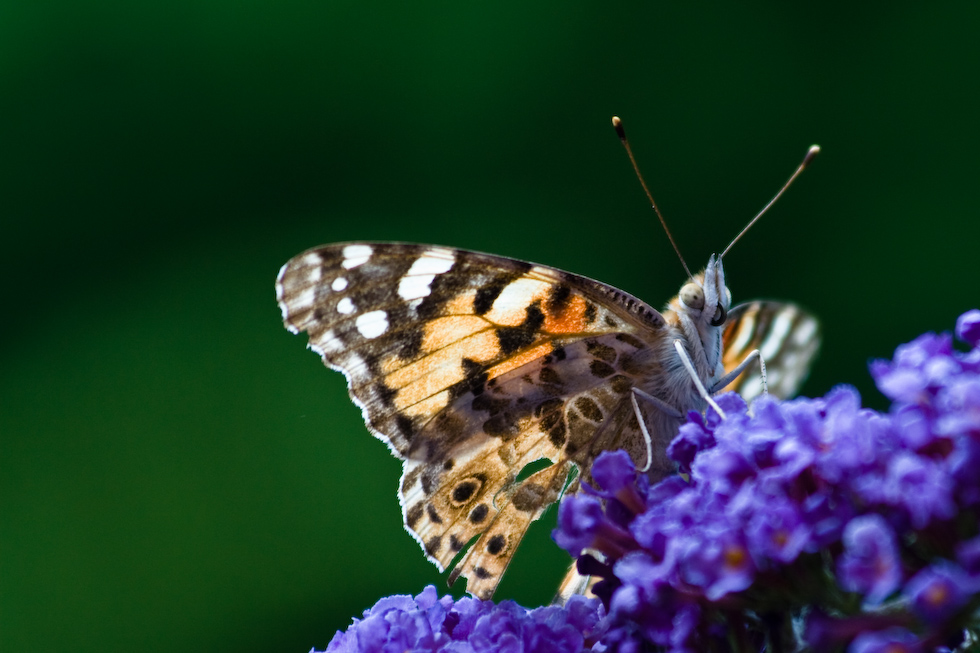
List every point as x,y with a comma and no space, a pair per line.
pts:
461,305
440,369
443,331
522,358
570,320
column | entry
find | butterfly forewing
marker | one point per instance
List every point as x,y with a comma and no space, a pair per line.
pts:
470,367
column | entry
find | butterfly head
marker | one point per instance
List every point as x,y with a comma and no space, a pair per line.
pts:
703,304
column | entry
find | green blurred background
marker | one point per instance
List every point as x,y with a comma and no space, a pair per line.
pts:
178,473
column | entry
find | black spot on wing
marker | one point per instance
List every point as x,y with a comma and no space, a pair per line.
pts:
414,514
496,544
589,409
430,480
474,380
630,340
487,294
601,351
481,573
433,545
410,341
430,510
385,395
601,369
557,433
550,376
503,425
558,298
410,479
514,338
590,312
479,513
405,425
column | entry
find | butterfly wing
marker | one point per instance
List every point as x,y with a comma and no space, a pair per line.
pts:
788,338
470,367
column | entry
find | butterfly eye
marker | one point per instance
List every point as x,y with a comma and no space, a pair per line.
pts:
720,316
692,296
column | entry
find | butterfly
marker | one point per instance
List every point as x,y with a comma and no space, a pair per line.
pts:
471,367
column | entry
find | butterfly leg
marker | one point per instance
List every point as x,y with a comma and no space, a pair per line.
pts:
689,366
660,405
731,376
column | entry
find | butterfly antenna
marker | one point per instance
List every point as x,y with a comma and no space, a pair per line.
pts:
621,132
810,154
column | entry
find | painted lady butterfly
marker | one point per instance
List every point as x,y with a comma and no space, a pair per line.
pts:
472,366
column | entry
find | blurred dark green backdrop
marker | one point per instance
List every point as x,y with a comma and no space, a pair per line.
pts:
178,473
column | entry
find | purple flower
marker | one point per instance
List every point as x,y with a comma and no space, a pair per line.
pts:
968,556
719,562
918,367
783,507
917,486
968,327
939,591
775,530
959,406
870,563
691,438
579,519
615,473
891,640
429,623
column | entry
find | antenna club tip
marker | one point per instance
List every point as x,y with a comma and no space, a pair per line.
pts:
811,154
617,124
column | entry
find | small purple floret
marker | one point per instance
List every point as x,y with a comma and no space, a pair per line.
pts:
890,640
870,563
939,591
968,327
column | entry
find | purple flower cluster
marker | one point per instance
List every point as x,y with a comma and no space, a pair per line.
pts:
811,523
429,623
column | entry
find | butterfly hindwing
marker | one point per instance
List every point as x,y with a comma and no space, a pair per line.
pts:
788,338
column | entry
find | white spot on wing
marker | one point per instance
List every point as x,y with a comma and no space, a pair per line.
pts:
303,299
777,333
327,344
339,284
279,289
804,331
415,287
312,259
373,324
514,299
345,306
744,335
331,342
355,255
417,281
432,261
